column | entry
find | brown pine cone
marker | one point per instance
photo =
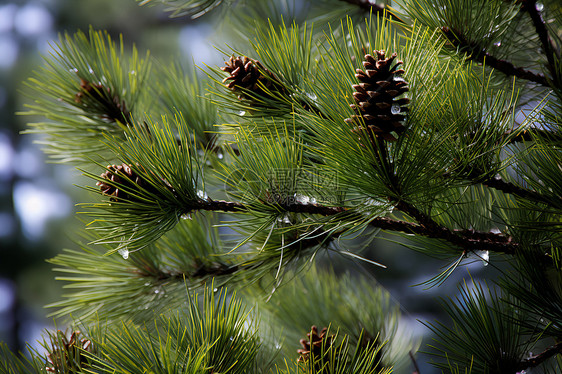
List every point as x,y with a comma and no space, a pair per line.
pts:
98,100
314,344
66,353
126,177
249,76
119,174
376,98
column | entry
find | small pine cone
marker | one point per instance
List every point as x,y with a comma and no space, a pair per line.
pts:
98,99
376,98
67,354
123,175
249,75
314,344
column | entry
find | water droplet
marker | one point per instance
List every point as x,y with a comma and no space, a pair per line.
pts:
147,284
302,198
186,216
312,96
215,290
284,219
485,255
156,291
395,109
313,200
220,156
482,255
540,7
373,202
242,112
497,44
124,252
398,79
133,72
202,195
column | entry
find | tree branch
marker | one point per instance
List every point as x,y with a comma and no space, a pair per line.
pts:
468,240
541,357
530,6
202,270
530,135
366,5
369,6
416,367
499,184
476,53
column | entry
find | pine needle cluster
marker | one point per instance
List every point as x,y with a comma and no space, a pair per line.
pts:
438,122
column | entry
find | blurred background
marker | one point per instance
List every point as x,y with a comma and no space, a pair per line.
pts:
37,199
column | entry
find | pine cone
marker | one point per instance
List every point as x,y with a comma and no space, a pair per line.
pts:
314,344
66,353
98,99
249,75
376,98
125,176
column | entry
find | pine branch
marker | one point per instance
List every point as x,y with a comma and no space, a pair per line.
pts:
536,360
416,367
203,270
531,134
468,240
530,6
500,184
458,40
366,5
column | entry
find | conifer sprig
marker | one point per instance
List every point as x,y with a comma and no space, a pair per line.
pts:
479,54
161,187
190,8
365,315
89,87
184,257
464,238
182,93
443,161
481,315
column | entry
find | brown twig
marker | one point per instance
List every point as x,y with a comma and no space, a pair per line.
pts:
476,53
467,240
530,6
202,270
416,367
531,134
366,5
378,9
536,360
504,186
